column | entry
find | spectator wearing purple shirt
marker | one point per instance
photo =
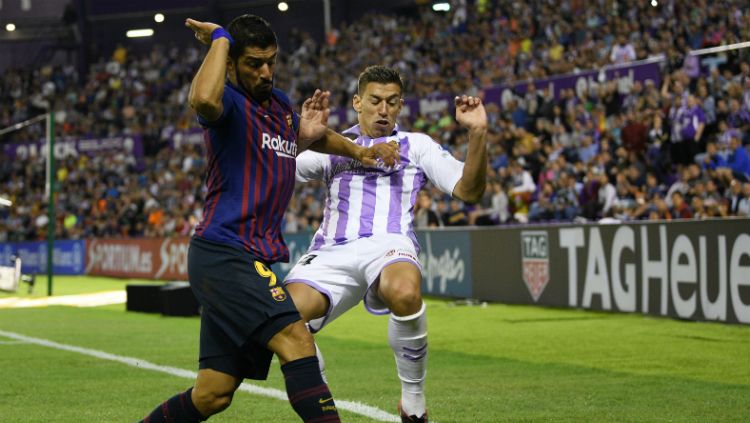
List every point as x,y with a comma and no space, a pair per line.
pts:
726,133
693,122
738,118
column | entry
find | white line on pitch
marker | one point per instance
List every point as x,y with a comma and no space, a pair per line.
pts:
353,406
95,299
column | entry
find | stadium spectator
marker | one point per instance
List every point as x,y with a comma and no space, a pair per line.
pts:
543,209
622,51
566,198
692,126
607,194
456,215
424,215
739,160
743,207
522,191
680,209
659,210
493,208
712,160
739,117
734,196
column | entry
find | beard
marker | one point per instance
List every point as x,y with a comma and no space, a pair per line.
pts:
262,91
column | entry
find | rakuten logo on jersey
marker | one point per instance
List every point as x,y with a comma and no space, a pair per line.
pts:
282,147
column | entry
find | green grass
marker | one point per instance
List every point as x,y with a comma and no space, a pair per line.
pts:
487,364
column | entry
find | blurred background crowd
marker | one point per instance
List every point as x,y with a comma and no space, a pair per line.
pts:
677,149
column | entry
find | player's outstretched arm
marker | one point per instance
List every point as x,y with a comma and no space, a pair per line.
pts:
471,115
208,83
334,143
315,135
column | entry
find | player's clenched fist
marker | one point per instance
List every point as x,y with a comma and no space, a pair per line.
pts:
388,153
470,112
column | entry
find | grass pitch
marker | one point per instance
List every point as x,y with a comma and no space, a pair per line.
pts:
486,364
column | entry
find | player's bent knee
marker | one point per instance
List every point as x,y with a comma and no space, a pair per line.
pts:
400,288
292,343
403,298
213,391
210,402
409,295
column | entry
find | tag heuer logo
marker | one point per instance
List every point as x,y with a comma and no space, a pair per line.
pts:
535,258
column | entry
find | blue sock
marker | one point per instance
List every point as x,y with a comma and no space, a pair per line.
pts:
307,392
178,409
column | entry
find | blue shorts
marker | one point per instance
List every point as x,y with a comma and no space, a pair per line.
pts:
243,306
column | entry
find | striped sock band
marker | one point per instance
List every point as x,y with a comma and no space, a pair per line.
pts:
308,394
179,408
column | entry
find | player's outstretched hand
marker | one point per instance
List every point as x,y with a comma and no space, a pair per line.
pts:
385,153
314,118
202,30
470,112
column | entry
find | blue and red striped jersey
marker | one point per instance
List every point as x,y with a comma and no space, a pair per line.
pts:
251,153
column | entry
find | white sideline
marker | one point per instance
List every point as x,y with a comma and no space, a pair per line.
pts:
352,406
95,299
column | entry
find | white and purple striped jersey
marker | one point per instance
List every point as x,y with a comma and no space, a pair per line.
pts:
363,201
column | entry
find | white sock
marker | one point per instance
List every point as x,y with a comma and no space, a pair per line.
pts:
321,363
407,336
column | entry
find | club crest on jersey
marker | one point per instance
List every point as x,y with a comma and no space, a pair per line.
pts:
289,120
282,147
535,261
278,293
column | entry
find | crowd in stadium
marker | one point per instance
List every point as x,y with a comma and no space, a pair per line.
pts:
675,151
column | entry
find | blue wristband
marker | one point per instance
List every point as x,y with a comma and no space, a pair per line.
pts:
221,33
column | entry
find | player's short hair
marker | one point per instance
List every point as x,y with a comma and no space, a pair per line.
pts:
250,31
380,75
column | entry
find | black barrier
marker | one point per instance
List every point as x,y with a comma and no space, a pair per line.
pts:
696,270
144,298
170,299
446,258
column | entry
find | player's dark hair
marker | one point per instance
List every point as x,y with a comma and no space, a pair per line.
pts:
250,31
380,75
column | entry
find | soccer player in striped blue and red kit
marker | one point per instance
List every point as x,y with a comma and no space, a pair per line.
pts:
252,137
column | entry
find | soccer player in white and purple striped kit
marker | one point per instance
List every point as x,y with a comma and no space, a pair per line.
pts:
366,247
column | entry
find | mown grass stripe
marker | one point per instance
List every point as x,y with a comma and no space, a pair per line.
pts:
352,406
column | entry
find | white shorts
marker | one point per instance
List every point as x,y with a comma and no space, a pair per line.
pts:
345,273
